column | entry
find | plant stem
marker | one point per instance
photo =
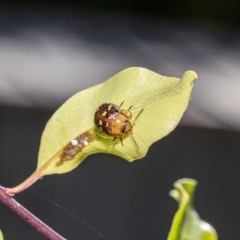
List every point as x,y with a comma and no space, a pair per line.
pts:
27,216
25,184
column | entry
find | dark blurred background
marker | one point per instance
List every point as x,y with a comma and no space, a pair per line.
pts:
50,50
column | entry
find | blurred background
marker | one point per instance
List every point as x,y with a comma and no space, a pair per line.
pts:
50,50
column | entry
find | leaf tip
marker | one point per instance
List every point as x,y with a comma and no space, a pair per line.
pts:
183,181
190,75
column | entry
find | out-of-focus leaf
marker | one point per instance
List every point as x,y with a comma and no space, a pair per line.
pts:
164,100
1,236
187,224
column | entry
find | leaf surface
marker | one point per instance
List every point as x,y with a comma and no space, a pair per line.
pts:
1,236
163,100
187,225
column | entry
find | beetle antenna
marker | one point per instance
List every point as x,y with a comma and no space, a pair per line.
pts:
137,116
121,104
134,141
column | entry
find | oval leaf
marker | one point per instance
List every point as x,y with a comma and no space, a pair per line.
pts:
187,224
164,100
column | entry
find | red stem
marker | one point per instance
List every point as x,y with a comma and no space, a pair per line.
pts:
25,184
28,217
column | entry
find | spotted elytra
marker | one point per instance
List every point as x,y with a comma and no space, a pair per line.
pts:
114,121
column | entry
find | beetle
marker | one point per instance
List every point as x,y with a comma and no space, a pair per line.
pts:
114,121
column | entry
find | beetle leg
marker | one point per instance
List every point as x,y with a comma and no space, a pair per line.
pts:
130,115
121,141
127,112
129,108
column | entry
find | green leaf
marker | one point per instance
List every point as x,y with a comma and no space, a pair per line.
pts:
1,235
187,224
164,100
